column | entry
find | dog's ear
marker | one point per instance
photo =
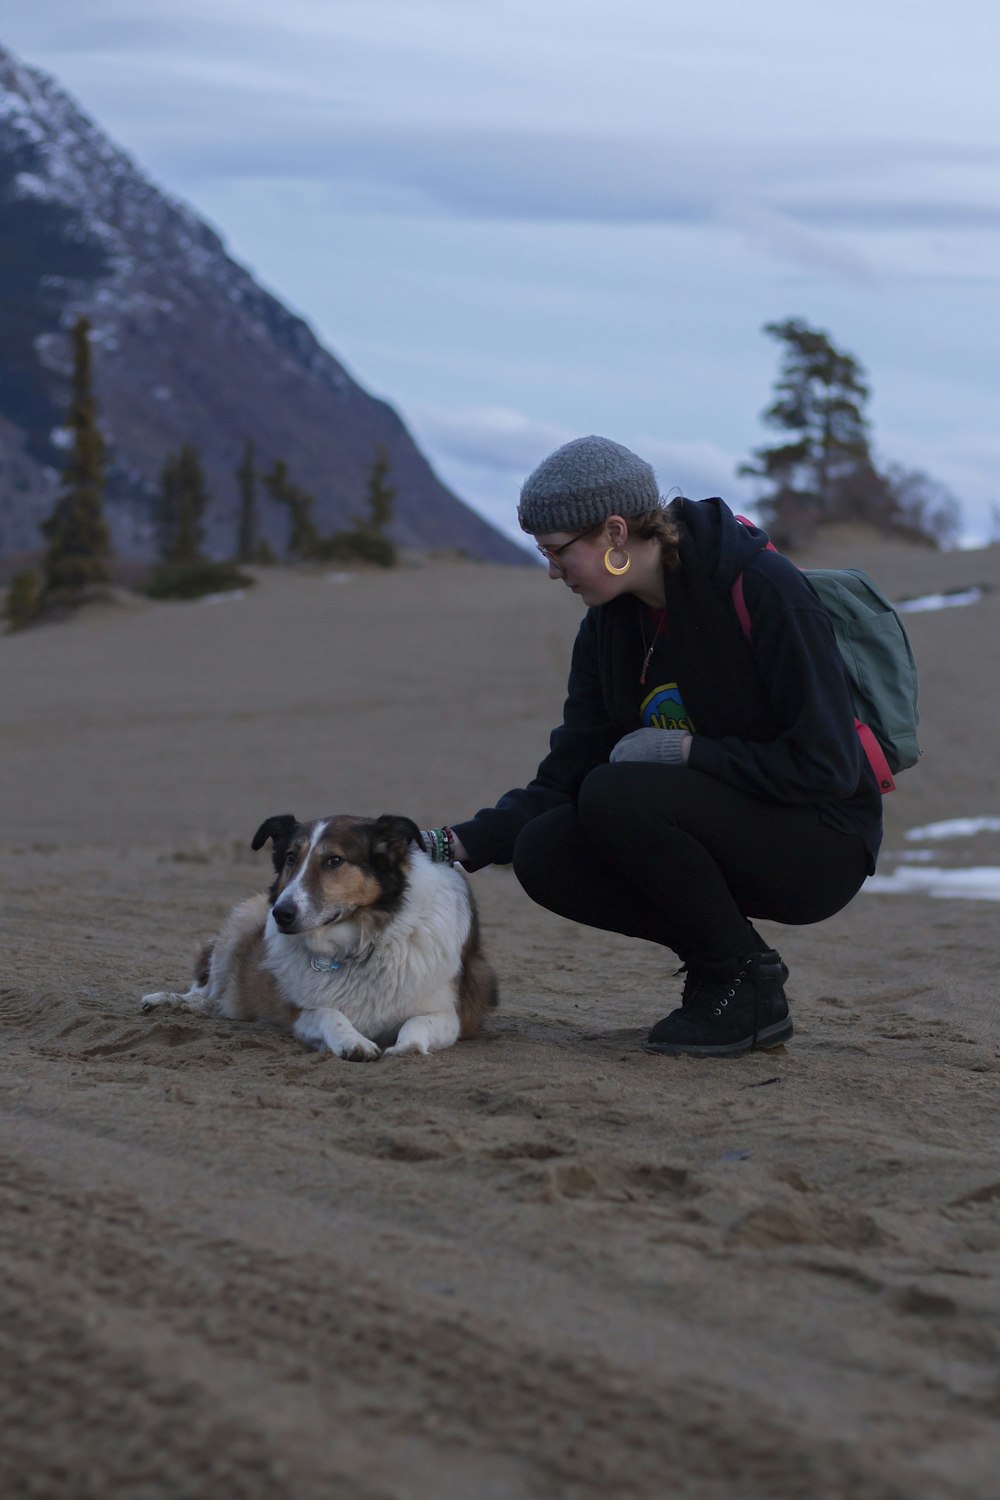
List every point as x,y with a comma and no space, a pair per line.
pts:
391,837
279,830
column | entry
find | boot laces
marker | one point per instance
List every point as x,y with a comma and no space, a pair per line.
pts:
706,988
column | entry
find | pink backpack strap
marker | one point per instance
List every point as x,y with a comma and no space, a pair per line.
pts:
740,604
876,758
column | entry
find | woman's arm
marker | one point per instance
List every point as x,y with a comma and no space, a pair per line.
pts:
582,741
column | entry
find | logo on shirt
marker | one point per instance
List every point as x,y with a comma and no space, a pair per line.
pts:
664,709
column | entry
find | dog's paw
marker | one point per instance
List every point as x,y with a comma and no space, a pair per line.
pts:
360,1051
409,1048
331,1031
158,998
196,1000
426,1033
363,1054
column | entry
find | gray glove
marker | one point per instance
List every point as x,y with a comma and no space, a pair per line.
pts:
665,746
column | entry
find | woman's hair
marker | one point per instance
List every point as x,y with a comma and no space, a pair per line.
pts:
657,525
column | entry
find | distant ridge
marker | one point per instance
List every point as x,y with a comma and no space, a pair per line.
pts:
187,348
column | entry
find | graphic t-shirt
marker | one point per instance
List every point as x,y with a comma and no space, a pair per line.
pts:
663,708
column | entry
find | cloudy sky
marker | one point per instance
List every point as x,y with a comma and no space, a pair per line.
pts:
524,220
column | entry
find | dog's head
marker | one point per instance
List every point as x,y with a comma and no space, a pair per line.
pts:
335,868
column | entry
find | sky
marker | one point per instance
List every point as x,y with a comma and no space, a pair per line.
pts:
521,221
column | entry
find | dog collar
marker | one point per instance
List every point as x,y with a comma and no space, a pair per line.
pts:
330,965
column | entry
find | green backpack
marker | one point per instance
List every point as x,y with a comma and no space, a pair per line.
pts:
880,666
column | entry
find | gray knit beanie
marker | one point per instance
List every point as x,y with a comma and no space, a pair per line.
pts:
584,482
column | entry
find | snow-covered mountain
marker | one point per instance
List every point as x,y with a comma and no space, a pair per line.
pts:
187,348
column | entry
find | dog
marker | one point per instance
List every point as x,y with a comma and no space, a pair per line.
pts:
362,944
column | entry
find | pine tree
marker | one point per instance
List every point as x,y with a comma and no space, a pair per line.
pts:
181,508
23,604
303,540
819,401
380,496
247,537
369,539
79,543
184,572
825,470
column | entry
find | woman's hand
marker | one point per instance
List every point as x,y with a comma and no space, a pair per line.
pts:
442,846
666,747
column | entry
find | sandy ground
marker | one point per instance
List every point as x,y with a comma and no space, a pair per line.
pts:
539,1264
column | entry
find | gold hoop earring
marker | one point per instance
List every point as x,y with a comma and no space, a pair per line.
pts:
611,567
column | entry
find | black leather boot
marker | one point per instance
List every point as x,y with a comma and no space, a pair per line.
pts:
766,952
727,1009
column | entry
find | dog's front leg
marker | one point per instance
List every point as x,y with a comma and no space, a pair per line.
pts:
197,999
427,1033
331,1028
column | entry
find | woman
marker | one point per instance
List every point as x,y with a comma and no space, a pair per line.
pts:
697,780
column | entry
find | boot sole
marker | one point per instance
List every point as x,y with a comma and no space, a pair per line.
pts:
770,1037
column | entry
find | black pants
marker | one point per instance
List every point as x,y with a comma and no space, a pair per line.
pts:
672,855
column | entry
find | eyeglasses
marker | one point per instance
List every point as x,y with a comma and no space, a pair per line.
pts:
552,554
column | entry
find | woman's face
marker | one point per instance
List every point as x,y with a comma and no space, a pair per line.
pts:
577,558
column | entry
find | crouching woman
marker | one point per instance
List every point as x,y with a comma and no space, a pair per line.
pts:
699,780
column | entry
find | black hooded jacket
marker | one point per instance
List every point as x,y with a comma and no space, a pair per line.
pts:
772,717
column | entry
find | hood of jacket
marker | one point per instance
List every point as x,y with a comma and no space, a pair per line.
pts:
724,544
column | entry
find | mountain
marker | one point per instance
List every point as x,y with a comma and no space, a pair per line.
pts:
187,349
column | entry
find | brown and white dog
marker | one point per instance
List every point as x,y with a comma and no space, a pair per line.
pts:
362,944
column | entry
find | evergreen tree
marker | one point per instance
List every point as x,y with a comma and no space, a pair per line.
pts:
380,495
819,402
181,508
369,539
247,538
24,599
366,538
824,470
79,543
303,539
184,571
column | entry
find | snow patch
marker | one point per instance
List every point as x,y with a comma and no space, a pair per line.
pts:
928,602
955,828
981,883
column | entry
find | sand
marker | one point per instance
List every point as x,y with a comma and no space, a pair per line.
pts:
539,1264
